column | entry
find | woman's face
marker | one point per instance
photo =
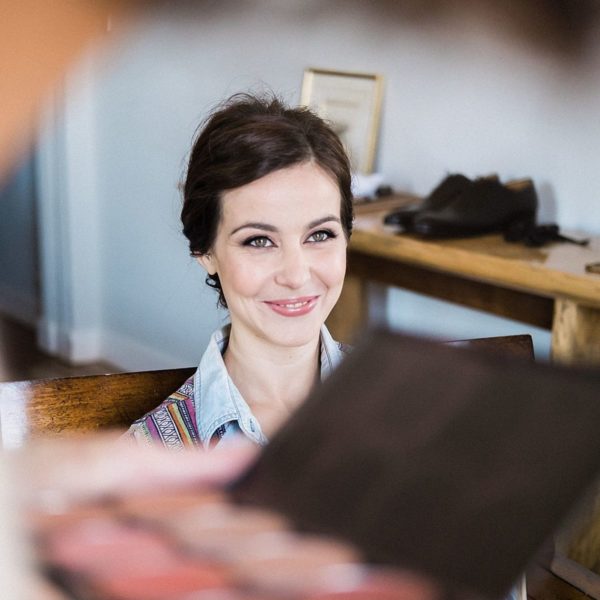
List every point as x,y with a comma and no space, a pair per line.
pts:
280,254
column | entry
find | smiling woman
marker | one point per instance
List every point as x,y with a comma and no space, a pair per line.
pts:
268,214
280,252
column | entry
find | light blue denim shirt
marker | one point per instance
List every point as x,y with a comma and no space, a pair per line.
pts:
219,406
208,409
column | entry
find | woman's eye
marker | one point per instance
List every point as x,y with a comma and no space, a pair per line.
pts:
259,242
321,236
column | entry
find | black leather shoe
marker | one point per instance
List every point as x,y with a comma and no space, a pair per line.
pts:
442,194
486,206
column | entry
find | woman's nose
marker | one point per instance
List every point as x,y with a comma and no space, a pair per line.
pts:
294,270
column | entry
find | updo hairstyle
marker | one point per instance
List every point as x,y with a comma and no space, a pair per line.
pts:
247,138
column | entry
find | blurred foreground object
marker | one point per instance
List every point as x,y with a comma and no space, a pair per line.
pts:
562,27
77,468
49,479
12,554
470,461
112,519
38,41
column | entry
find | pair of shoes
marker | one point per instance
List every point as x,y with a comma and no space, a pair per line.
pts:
443,193
485,206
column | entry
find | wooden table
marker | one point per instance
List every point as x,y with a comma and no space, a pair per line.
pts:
547,287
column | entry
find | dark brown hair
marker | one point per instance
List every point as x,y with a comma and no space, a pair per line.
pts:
247,138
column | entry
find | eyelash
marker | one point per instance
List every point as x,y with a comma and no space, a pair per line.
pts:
330,235
252,240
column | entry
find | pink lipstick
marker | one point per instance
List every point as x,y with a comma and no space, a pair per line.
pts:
293,307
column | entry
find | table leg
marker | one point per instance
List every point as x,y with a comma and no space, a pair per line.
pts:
576,340
575,333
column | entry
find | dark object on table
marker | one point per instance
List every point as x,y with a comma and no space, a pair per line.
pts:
593,268
383,191
443,193
455,464
534,235
484,207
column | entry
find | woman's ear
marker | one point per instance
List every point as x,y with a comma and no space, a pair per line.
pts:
207,262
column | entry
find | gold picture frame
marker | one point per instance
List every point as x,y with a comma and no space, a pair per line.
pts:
351,102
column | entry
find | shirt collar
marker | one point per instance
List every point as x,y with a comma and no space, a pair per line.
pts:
218,401
331,353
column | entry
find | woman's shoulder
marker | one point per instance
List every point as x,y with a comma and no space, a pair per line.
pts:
172,423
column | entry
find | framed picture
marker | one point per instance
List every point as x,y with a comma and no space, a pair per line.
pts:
351,102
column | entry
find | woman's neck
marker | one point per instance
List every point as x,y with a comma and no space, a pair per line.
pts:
273,380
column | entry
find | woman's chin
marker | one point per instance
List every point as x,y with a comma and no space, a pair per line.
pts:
299,333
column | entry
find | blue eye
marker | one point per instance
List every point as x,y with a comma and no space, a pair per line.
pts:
321,236
259,241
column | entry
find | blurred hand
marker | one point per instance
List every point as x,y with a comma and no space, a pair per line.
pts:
80,469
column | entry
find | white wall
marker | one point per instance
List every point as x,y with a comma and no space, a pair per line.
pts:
71,320
459,99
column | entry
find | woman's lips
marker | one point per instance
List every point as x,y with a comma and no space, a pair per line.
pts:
293,307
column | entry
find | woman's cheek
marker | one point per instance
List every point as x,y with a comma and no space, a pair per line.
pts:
334,265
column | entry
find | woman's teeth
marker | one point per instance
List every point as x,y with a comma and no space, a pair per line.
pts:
295,304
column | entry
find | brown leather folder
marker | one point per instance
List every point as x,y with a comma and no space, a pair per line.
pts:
449,462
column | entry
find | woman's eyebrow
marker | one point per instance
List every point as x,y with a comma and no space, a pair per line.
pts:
261,226
273,229
322,220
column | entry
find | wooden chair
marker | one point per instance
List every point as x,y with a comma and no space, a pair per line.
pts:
520,346
79,404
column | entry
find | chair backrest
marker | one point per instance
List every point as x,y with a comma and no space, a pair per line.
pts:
78,404
516,345
59,406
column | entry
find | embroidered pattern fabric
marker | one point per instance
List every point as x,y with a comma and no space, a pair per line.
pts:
173,423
